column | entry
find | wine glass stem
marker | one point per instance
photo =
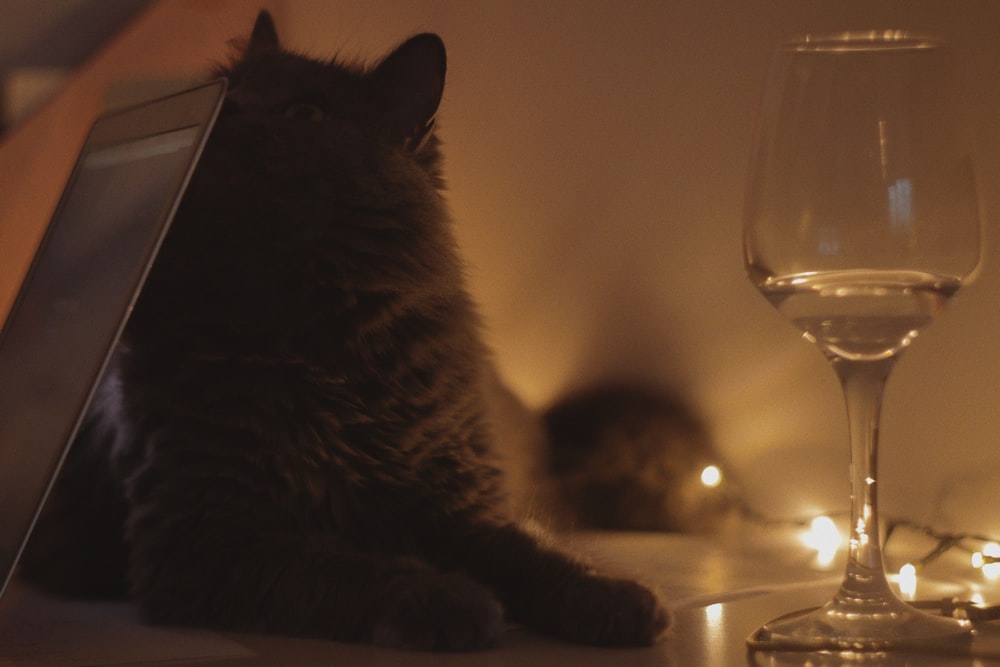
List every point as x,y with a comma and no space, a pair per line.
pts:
865,585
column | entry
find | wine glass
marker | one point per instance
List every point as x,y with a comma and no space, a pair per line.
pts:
861,222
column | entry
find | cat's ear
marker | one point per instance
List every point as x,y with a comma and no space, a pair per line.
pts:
264,37
407,88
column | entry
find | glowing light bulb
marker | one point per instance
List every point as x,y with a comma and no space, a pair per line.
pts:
991,570
907,581
824,537
711,476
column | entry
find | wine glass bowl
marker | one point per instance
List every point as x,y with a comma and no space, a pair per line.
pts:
861,221
860,161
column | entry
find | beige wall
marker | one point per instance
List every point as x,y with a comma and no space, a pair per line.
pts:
596,156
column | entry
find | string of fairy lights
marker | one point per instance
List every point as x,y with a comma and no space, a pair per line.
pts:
821,534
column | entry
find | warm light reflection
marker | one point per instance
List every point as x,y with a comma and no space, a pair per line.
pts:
824,537
711,476
713,614
715,635
907,581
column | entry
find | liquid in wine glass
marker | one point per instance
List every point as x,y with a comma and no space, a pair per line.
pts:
859,314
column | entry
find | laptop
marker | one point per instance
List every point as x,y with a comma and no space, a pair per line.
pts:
82,283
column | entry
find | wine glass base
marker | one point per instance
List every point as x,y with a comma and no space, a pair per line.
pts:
830,629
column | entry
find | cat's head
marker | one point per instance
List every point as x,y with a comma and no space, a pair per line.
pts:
396,100
319,187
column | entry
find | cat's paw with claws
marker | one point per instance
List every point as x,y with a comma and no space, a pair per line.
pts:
439,612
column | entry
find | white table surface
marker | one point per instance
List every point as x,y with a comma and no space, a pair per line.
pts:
721,588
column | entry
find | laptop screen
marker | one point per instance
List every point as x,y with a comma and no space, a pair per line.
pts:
84,278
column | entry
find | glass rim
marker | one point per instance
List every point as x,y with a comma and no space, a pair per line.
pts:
863,41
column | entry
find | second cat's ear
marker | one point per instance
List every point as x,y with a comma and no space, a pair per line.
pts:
264,36
407,88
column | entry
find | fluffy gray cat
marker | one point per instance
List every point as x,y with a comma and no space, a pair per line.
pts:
294,437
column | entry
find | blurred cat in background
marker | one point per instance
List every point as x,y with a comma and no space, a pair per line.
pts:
631,456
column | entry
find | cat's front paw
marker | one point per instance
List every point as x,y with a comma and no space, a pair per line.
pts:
439,612
610,612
